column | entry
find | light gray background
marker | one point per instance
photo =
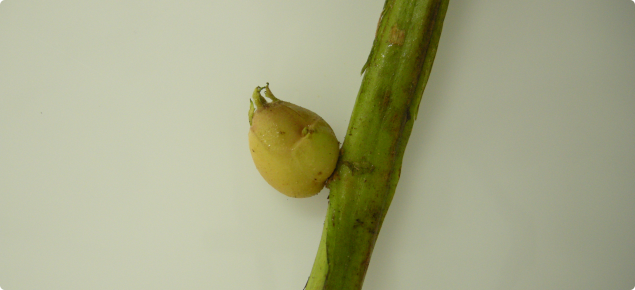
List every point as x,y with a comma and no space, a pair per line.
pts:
124,161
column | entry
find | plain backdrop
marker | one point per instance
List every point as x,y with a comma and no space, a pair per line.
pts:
124,161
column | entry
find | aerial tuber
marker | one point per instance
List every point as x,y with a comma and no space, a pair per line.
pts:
293,148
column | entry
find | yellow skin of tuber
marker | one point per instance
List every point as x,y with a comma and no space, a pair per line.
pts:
293,148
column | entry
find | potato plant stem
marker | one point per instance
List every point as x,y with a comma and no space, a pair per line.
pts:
368,170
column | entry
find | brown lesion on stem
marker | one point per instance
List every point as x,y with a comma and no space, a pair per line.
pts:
359,167
397,36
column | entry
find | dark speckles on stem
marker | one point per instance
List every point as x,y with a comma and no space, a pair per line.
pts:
358,223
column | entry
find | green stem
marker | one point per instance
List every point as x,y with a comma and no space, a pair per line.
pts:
368,170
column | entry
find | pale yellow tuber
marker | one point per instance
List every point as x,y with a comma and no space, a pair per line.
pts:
293,148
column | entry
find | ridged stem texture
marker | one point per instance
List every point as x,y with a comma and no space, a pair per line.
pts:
369,166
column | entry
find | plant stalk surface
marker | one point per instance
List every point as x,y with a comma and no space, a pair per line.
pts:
364,181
